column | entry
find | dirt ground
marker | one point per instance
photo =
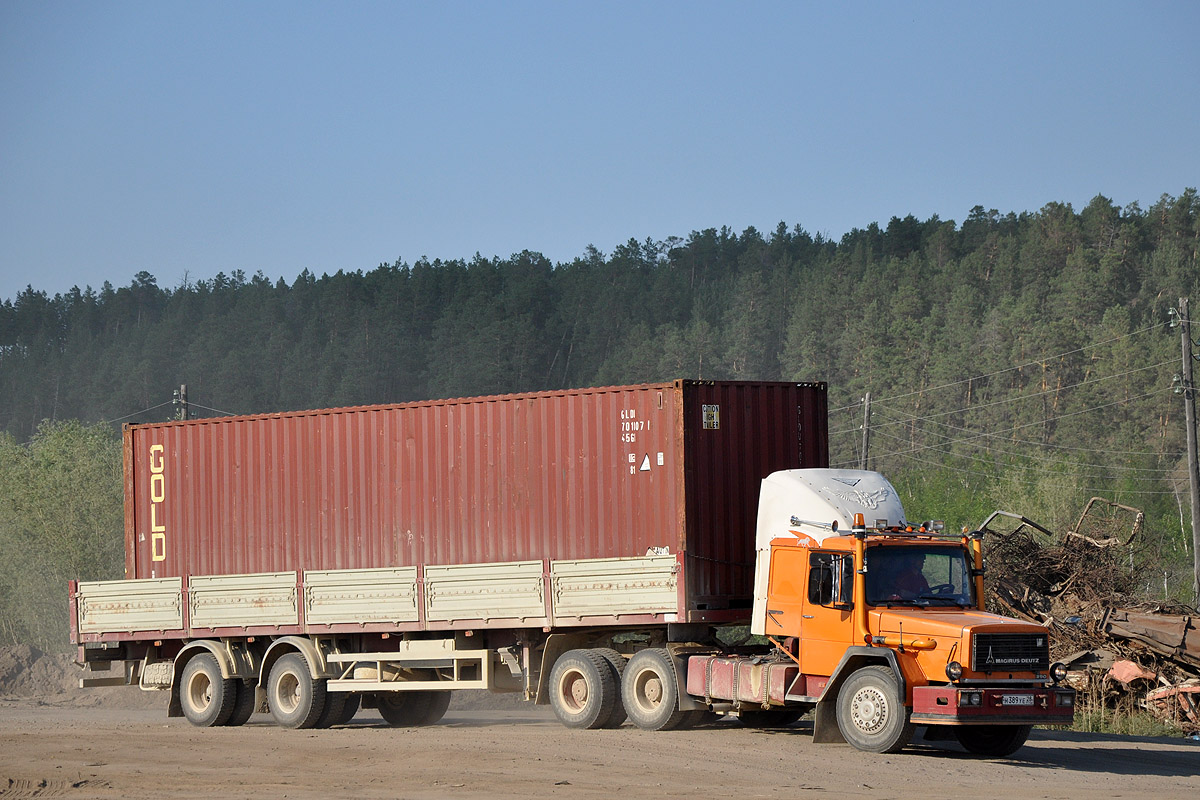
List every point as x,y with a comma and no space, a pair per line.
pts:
117,743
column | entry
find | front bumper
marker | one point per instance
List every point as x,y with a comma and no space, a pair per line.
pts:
960,705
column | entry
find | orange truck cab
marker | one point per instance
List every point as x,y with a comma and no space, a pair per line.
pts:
879,625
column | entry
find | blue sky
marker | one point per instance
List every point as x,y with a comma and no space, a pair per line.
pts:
203,137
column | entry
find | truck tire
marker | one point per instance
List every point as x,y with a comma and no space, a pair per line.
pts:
776,717
994,741
650,692
244,705
349,708
871,714
335,703
207,698
295,697
583,689
617,662
412,709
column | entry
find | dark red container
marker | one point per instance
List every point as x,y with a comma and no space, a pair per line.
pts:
588,473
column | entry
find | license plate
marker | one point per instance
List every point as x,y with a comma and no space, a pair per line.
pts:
1017,699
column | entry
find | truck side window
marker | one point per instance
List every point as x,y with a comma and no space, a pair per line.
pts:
821,584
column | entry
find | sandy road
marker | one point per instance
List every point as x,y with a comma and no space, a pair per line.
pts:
48,751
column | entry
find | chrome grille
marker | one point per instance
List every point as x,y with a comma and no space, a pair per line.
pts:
1010,652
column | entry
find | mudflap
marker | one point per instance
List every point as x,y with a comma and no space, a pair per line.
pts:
825,725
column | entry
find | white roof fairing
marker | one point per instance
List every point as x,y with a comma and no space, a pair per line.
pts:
817,498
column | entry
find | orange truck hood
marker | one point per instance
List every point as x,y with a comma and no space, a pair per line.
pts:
946,622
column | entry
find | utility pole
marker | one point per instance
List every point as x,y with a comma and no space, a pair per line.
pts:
866,430
181,401
1189,407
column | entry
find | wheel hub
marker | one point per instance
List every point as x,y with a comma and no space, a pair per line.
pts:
869,710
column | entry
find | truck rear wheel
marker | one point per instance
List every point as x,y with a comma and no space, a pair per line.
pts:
995,741
870,711
295,697
207,698
244,705
412,709
617,662
650,692
583,689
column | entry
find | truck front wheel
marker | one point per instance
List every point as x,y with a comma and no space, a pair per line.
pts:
207,698
870,711
994,741
650,692
295,697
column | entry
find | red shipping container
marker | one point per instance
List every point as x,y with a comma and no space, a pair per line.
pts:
588,473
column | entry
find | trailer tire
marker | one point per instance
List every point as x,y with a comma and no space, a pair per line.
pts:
583,689
244,705
617,662
412,709
295,697
650,692
994,741
207,698
871,714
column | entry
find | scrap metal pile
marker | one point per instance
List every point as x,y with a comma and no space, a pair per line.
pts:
1121,651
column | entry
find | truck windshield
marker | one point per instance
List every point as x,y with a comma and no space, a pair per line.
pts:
918,575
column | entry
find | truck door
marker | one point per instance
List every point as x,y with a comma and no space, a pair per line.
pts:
785,593
825,612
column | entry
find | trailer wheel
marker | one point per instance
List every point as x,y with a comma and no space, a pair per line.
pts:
583,689
870,711
994,741
295,698
207,698
651,694
617,662
244,705
412,709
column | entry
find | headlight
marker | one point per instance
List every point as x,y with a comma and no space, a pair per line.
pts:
954,670
1066,699
1058,671
970,699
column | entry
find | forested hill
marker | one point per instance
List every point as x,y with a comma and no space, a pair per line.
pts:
1012,347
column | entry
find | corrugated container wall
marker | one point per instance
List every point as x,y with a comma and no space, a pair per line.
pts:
590,473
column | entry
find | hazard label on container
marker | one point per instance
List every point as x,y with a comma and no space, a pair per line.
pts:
712,417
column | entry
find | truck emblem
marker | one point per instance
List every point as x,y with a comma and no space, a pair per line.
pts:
991,659
872,500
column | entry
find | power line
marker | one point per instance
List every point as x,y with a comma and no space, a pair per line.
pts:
1045,470
216,410
134,414
1031,424
1029,482
1025,396
1035,362
1034,444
